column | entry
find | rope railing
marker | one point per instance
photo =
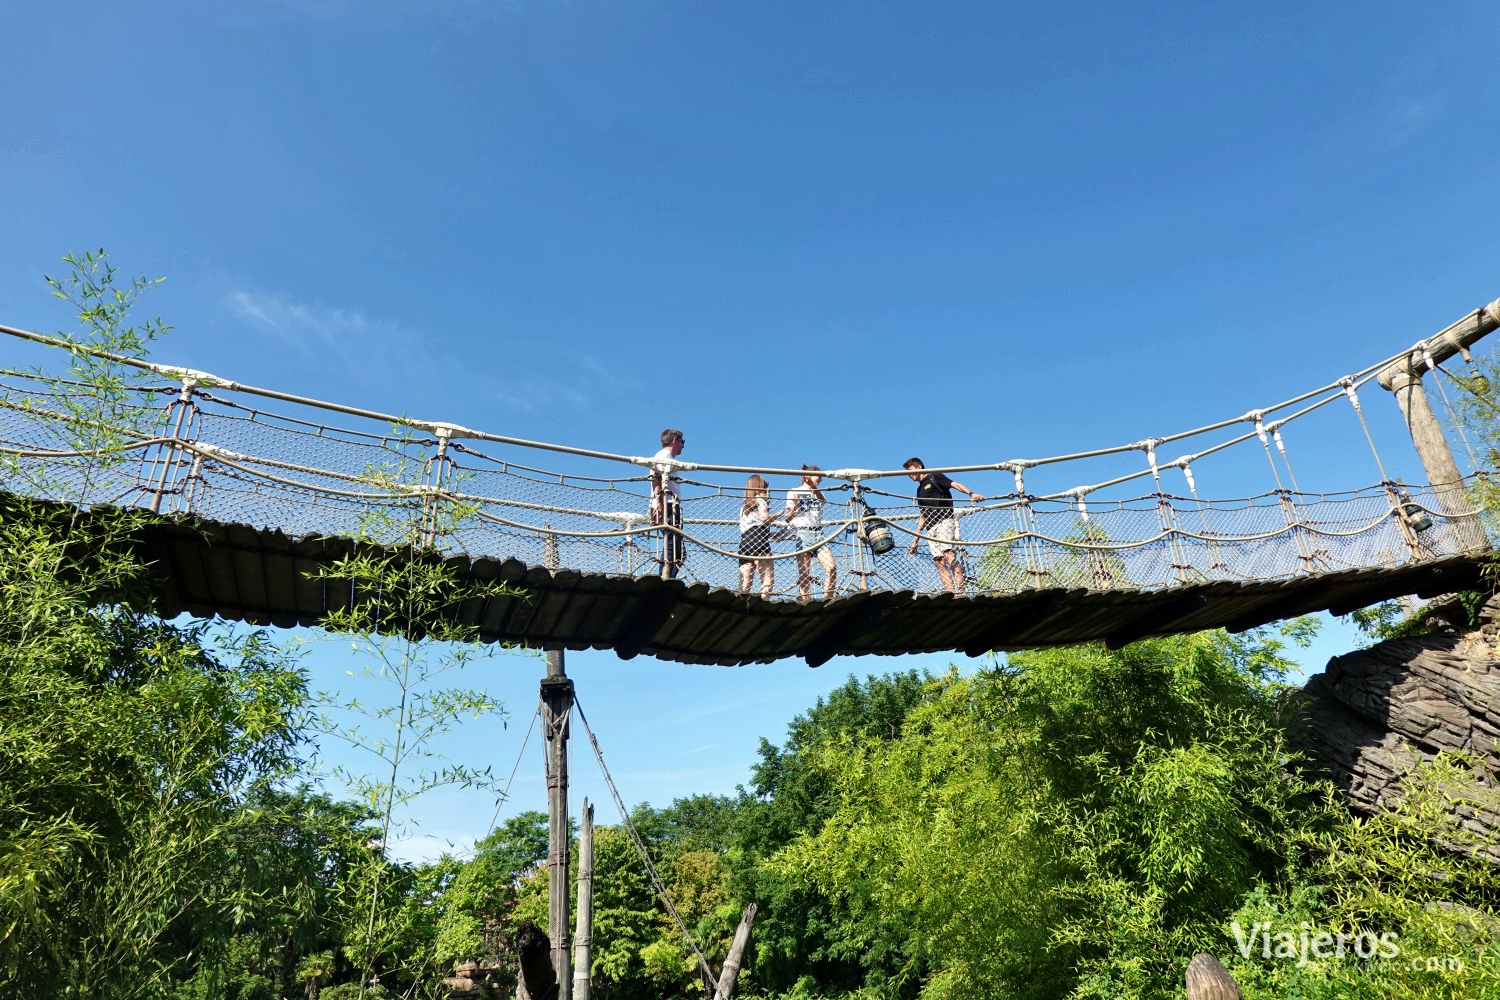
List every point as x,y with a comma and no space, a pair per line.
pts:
209,381
211,456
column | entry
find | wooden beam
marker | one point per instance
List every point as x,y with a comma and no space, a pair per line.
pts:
1157,619
1437,460
1287,606
1432,582
844,629
655,610
1005,621
557,704
1445,343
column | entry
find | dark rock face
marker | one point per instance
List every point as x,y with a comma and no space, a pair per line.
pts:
1376,712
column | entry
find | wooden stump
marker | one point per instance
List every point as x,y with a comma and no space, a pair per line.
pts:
538,979
1208,980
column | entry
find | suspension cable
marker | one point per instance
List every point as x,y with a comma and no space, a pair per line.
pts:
1348,383
1260,432
1275,430
505,793
640,845
1453,414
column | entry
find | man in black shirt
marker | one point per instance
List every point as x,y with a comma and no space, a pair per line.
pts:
935,520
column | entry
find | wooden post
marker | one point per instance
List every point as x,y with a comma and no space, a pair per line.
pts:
1437,459
731,971
1403,378
557,703
583,935
1208,980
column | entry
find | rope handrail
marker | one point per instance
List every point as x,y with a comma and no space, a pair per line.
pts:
207,380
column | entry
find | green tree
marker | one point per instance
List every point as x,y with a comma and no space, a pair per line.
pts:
127,746
1074,823
405,637
481,903
800,930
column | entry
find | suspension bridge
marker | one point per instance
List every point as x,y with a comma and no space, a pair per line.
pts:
256,489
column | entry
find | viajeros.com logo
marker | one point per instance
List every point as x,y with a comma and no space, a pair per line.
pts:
1308,944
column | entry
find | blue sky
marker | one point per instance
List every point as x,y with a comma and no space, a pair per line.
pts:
840,233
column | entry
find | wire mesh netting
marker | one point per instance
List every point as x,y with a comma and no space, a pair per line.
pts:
182,450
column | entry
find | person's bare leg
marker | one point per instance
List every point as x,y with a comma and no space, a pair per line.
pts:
804,577
944,573
961,581
767,578
747,576
830,572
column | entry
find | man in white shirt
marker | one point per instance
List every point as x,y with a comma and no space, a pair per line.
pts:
666,501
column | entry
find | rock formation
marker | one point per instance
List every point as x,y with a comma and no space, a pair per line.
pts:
1375,713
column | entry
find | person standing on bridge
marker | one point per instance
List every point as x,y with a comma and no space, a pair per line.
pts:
804,512
935,520
666,501
755,537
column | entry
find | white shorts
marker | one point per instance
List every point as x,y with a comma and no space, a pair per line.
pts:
941,536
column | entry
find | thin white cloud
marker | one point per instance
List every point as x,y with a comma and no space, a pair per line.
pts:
355,347
314,330
1405,121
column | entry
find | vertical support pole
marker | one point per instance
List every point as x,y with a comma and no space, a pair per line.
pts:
1408,535
1305,556
194,480
730,973
861,540
551,558
437,468
583,935
1167,516
1437,459
171,453
557,704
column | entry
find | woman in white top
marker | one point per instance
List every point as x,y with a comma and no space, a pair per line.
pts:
755,537
804,512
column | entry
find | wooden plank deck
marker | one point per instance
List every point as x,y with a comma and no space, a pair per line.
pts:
267,578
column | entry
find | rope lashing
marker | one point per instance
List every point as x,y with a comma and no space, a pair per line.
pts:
1018,467
1187,473
1149,447
1083,508
1348,383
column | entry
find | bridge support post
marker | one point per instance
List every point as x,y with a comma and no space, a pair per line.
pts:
557,704
1403,378
1437,457
583,937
